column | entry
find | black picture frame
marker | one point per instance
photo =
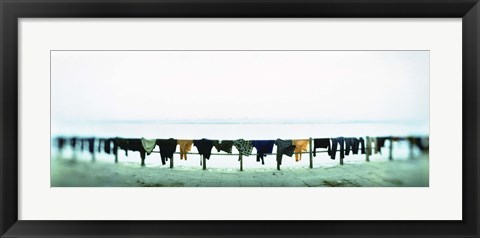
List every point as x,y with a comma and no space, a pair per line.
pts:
11,11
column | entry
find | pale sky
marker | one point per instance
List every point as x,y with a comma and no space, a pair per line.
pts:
240,86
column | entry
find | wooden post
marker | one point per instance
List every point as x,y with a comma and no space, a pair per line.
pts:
341,160
390,151
116,155
369,149
93,156
204,163
241,162
310,152
171,162
278,163
142,156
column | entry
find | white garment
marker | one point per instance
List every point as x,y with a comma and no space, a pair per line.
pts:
148,145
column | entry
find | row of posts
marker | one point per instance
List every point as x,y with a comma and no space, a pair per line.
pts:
203,161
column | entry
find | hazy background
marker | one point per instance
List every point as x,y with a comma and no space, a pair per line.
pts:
142,93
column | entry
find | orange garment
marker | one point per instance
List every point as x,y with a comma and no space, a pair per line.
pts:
185,146
300,145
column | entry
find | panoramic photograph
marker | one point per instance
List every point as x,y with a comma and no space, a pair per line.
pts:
239,118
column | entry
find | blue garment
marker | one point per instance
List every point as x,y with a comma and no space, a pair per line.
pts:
354,144
349,144
335,141
263,147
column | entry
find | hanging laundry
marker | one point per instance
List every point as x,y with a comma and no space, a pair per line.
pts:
335,142
421,143
424,144
348,145
224,145
100,143
107,146
321,143
91,145
358,143
148,145
245,147
82,144
284,147
362,143
167,148
129,144
185,146
263,147
61,143
300,146
204,147
135,145
120,143
380,142
73,142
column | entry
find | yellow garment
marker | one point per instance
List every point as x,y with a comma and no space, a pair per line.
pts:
300,145
185,146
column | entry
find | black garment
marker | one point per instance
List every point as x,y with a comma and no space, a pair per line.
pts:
380,144
335,141
136,145
91,144
263,147
128,144
321,143
167,148
284,147
224,145
61,143
204,147
120,143
73,142
107,146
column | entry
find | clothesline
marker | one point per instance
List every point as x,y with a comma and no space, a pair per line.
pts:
133,144
244,147
191,153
